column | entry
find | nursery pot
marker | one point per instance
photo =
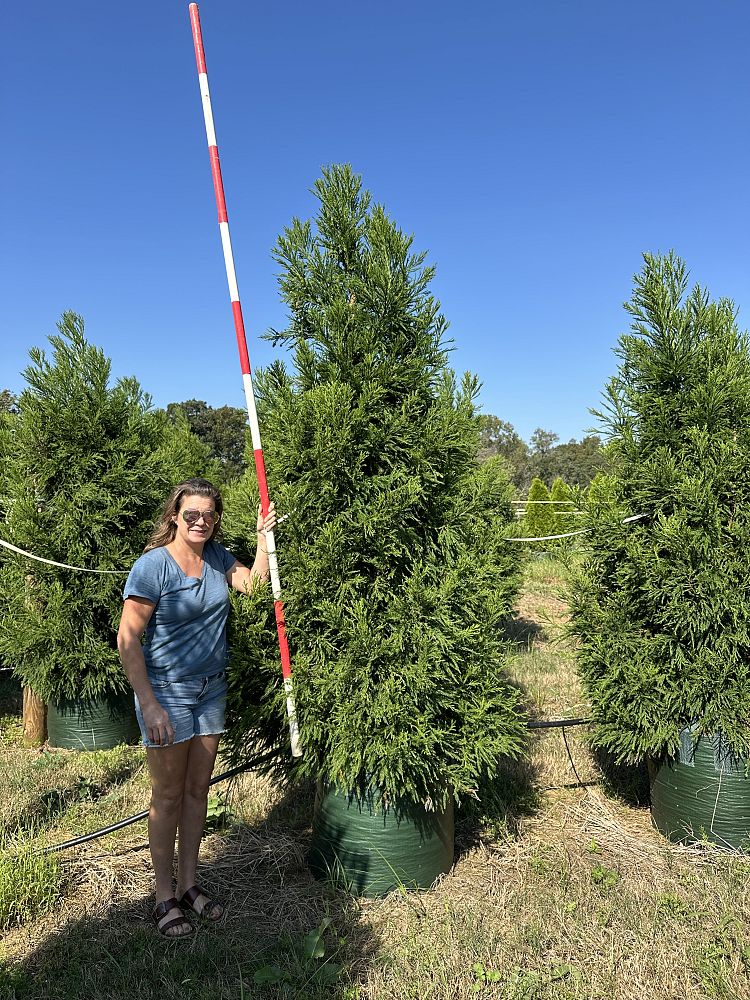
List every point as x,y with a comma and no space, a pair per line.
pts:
702,794
372,848
92,724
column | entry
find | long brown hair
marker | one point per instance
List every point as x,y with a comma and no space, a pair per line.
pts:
165,528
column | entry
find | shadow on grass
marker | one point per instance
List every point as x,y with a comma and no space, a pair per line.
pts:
283,935
501,804
628,782
521,632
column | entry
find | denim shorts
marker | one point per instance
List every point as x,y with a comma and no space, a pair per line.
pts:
196,706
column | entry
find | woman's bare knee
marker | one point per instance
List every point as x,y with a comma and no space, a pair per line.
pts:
166,801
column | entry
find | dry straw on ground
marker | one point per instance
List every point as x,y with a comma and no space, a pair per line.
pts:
571,895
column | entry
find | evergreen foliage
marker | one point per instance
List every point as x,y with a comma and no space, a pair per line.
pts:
562,507
661,608
86,467
180,448
222,430
539,520
396,577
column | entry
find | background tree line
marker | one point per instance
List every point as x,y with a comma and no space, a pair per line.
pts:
575,462
222,430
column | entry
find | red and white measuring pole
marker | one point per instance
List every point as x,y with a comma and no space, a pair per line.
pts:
252,416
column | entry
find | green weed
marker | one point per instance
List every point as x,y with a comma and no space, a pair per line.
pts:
483,977
670,905
29,884
219,815
605,878
306,965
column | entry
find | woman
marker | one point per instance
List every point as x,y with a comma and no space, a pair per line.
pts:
177,593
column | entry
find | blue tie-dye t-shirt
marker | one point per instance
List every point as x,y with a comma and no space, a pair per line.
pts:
187,635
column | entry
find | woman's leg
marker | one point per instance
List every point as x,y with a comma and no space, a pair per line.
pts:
167,766
200,765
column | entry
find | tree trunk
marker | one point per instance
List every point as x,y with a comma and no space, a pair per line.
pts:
34,719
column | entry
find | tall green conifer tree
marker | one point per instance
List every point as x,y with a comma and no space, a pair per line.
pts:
396,577
661,608
562,506
539,520
87,465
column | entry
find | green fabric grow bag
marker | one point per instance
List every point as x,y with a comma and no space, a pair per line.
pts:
702,794
372,850
95,724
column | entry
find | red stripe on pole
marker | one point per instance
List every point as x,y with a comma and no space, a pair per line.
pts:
286,664
200,56
213,152
239,329
260,471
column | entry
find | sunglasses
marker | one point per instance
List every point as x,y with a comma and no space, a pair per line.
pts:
210,517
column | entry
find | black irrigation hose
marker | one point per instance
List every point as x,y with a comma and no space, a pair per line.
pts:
558,723
255,762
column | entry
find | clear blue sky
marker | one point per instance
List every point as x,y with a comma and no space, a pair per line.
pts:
534,149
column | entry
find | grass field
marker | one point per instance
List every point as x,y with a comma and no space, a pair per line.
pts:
561,888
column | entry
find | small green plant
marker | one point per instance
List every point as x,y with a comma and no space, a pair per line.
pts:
538,864
483,977
712,964
29,883
565,973
86,789
522,984
308,965
605,878
219,815
670,905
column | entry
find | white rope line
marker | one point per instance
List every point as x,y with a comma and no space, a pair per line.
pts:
51,562
549,538
570,534
124,572
82,569
542,501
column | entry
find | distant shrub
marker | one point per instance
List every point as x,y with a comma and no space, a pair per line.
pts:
539,519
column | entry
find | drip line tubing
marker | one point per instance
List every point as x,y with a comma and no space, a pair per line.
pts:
84,838
257,761
570,534
557,723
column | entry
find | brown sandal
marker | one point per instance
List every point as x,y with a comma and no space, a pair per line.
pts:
160,912
189,898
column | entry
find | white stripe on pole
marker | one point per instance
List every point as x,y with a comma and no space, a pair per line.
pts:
247,382
226,246
207,113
